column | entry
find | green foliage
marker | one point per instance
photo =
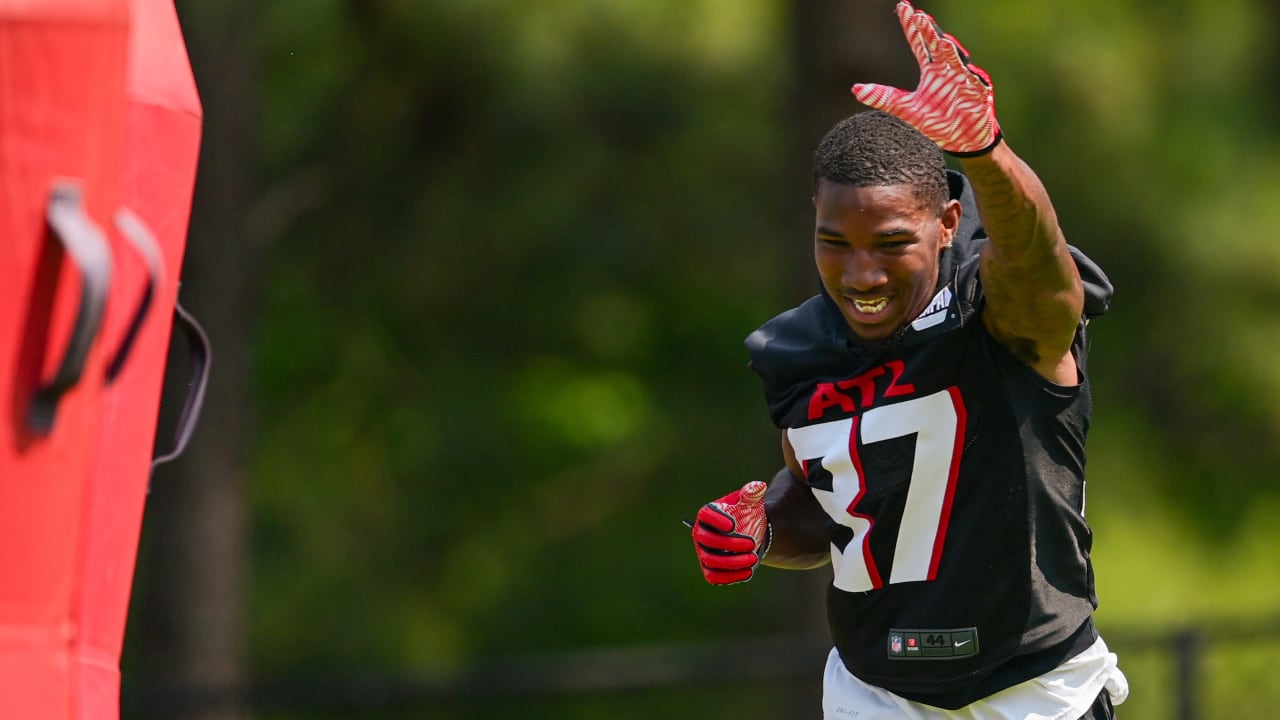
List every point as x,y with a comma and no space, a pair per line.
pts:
498,348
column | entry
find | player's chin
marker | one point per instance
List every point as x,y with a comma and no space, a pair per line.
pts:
872,331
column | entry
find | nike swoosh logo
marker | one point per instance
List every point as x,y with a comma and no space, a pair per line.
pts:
962,643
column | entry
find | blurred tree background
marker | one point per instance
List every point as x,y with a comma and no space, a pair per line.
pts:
477,276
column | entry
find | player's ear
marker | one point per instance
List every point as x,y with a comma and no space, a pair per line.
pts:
950,219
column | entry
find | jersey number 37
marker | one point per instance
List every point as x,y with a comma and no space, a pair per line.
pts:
937,421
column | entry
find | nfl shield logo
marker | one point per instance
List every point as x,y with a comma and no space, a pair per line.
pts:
895,643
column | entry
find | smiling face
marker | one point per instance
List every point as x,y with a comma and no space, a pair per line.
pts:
877,249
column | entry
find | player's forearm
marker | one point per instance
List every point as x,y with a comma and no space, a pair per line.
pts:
799,525
1015,209
1033,288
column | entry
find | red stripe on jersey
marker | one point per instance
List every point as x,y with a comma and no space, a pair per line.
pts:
872,572
952,475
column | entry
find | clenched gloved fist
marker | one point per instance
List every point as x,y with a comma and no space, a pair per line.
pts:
954,104
731,535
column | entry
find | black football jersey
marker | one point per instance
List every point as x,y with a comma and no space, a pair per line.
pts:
952,476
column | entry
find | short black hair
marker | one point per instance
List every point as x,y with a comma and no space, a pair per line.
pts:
874,148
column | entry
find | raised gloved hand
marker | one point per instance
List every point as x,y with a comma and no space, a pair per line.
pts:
731,535
954,104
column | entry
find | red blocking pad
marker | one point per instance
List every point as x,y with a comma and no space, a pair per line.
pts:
62,72
162,125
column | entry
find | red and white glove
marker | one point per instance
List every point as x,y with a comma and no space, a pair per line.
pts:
954,105
731,535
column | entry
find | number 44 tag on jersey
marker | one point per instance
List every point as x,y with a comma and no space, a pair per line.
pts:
950,644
